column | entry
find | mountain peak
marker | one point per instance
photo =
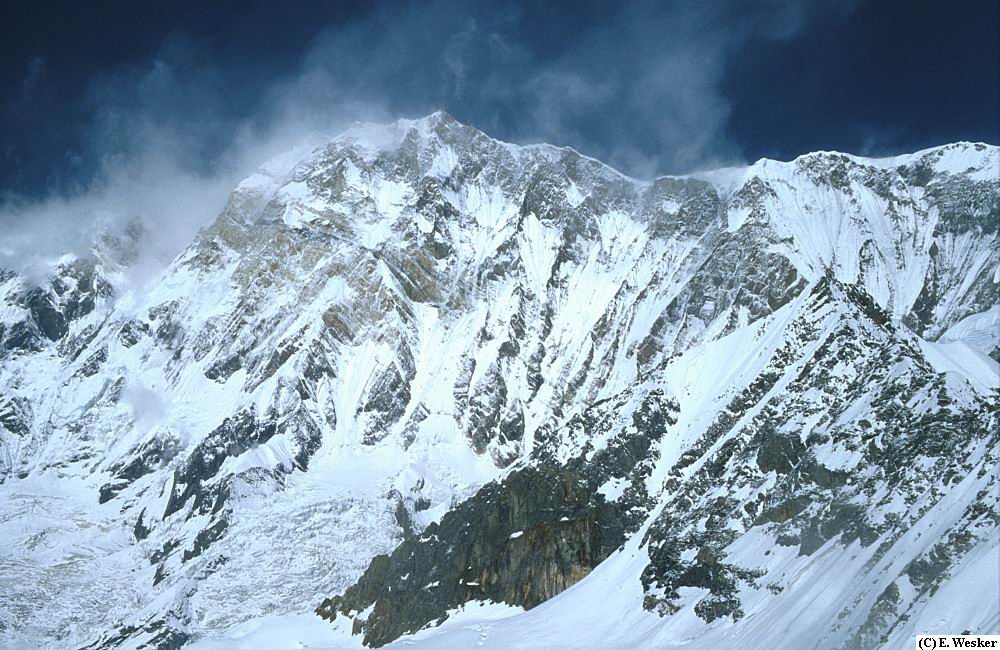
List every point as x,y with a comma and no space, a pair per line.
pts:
390,135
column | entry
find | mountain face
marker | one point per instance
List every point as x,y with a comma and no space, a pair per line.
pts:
418,376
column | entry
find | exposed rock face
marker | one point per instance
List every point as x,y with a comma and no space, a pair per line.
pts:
519,541
522,539
775,479
415,341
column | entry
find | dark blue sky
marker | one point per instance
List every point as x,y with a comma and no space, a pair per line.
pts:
650,87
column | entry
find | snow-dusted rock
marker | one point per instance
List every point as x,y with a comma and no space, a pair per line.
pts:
752,376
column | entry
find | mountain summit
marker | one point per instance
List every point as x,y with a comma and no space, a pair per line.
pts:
419,377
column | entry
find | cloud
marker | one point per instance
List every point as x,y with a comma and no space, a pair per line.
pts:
169,150
638,85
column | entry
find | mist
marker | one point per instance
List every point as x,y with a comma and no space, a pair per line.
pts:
638,86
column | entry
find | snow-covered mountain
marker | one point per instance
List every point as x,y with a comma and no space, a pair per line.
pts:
428,383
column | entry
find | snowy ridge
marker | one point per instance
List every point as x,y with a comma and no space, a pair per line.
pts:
379,332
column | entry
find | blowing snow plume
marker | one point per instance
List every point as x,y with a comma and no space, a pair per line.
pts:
164,140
